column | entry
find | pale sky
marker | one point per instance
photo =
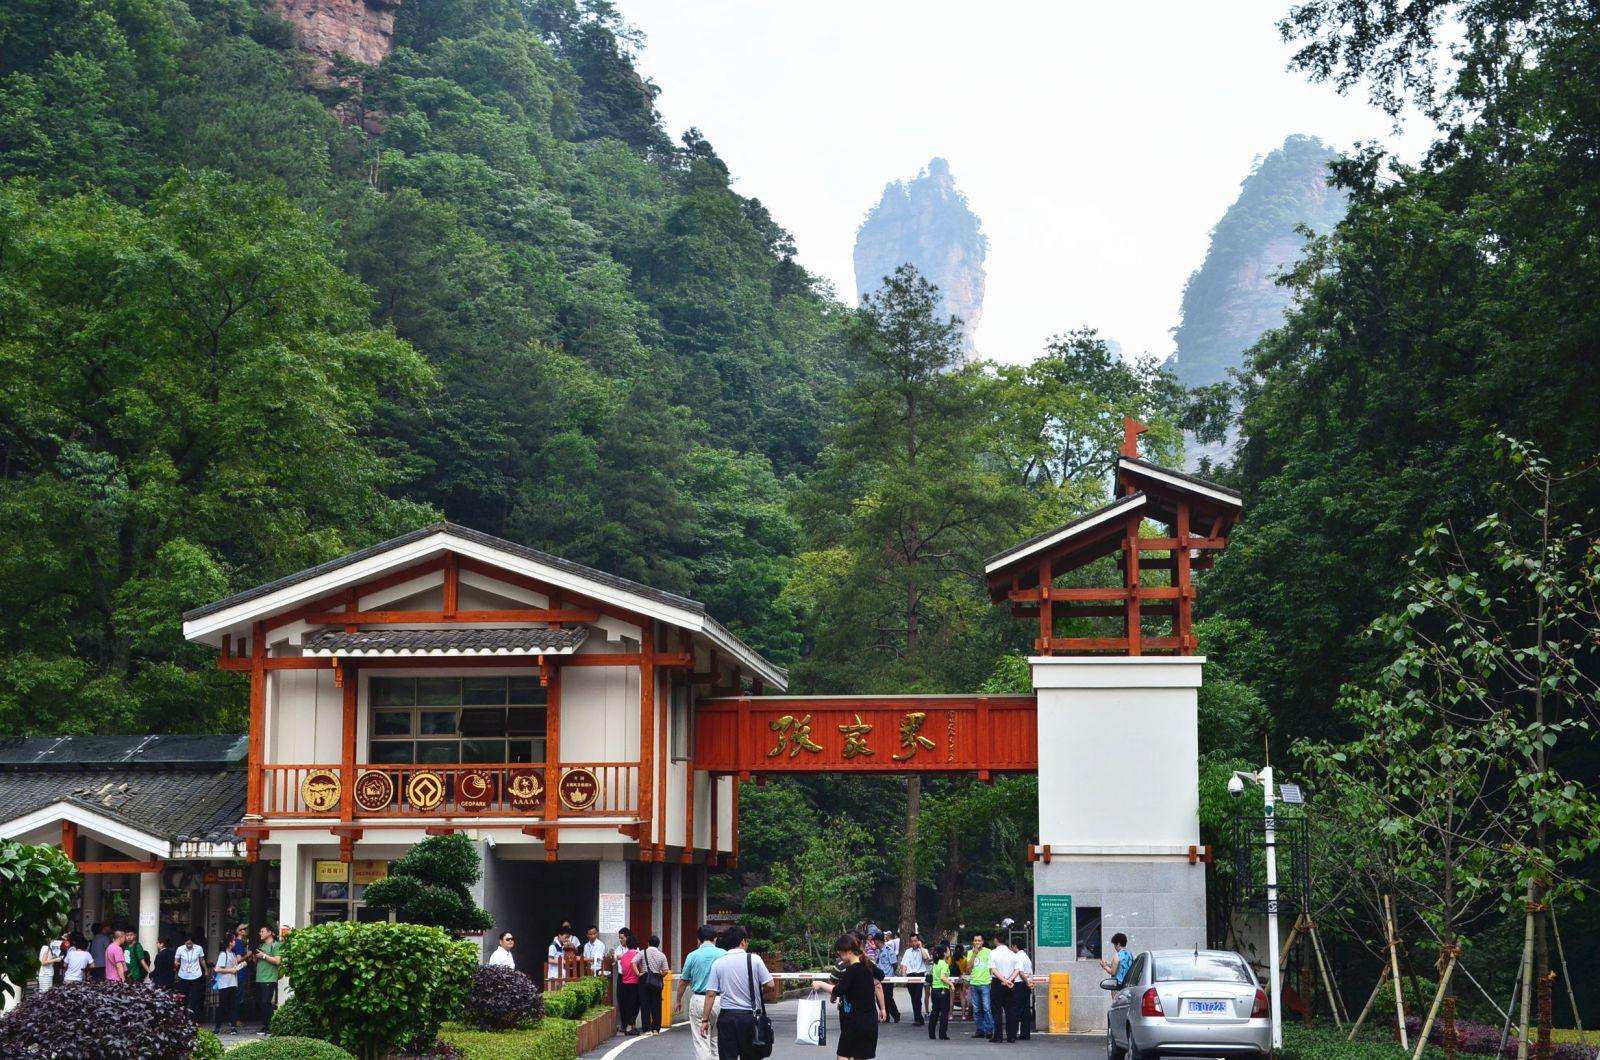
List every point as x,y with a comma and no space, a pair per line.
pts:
1099,142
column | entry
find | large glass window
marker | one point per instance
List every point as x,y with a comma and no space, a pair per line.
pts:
445,720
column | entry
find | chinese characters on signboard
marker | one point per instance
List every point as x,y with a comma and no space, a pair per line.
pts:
797,735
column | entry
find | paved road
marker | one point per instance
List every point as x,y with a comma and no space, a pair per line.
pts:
896,1041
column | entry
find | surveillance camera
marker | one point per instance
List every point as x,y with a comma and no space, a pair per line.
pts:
1235,786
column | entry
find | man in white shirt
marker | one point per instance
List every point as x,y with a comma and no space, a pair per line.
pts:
914,963
501,957
728,993
594,952
1003,966
77,962
1024,991
191,962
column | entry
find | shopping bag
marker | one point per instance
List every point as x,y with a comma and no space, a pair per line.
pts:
811,1022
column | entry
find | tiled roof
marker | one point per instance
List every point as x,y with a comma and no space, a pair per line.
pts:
147,752
1136,465
467,533
1064,532
193,805
456,640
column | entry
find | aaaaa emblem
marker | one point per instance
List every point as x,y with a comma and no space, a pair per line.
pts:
525,791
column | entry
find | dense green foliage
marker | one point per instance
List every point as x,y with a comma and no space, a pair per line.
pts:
551,1039
430,885
242,335
371,988
1456,301
37,885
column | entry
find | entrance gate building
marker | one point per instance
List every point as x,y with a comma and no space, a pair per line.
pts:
591,733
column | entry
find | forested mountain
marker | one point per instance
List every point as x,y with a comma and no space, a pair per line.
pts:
926,222
1233,297
505,295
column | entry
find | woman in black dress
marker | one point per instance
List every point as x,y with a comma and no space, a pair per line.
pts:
860,999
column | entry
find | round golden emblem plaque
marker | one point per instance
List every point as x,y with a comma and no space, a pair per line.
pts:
579,789
321,790
475,790
525,789
373,791
425,791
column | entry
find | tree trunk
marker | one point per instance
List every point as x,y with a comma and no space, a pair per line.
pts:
1526,973
908,867
949,907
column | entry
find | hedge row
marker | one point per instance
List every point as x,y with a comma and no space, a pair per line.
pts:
574,999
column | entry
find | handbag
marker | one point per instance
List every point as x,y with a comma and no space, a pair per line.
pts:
649,978
761,1046
811,1022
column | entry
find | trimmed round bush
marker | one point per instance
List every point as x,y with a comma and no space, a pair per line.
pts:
373,988
100,1020
290,1020
763,908
502,998
289,1048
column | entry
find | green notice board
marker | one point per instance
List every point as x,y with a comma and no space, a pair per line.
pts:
1054,922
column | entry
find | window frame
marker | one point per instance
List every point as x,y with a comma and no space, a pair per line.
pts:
416,739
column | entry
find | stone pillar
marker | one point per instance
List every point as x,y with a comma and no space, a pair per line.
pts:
1119,804
613,880
290,877
658,898
92,887
149,910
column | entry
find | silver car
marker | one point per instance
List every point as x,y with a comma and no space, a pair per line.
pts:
1187,1003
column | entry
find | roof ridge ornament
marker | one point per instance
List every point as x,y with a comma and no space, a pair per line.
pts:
1131,429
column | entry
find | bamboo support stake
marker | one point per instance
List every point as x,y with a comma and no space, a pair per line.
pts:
1566,977
1322,966
1433,1011
1367,1008
1288,943
1526,977
1394,966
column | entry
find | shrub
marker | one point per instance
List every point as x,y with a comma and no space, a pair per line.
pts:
207,1046
763,908
576,998
552,1039
430,885
501,998
372,988
110,1020
36,889
289,1048
290,1020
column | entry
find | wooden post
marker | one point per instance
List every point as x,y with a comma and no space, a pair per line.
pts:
1130,562
663,757
452,585
1183,622
258,717
347,766
1367,1008
552,764
1334,1001
647,732
1047,623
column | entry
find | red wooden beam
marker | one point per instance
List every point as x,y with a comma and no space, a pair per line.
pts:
258,717
387,581
380,618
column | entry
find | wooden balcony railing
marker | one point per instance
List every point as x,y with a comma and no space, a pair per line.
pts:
494,789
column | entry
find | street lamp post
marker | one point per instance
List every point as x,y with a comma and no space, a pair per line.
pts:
1270,824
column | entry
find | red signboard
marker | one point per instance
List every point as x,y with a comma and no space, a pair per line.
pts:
881,734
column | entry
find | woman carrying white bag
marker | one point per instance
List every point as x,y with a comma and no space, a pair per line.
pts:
860,999
811,1021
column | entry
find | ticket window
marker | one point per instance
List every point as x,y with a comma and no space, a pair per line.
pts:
1087,935
338,889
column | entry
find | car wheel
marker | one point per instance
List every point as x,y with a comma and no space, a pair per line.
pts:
1113,1050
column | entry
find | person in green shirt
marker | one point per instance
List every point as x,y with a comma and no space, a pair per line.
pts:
138,959
980,979
939,994
267,960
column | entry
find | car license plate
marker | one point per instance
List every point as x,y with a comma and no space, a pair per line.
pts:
1207,1007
